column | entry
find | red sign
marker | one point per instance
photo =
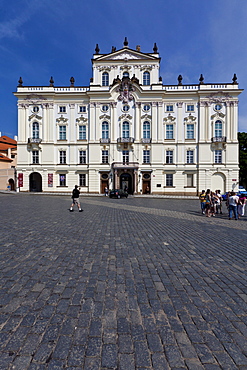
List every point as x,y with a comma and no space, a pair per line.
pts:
50,180
20,180
234,179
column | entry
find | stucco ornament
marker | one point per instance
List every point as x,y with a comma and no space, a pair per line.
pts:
125,88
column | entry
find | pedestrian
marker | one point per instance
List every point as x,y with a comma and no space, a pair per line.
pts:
241,205
218,202
75,197
106,191
208,203
202,198
233,202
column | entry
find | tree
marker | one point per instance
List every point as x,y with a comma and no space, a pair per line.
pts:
242,138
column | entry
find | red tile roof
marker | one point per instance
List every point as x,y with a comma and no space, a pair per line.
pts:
4,158
7,140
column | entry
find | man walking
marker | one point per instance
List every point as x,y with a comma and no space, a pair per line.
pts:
233,202
75,197
202,198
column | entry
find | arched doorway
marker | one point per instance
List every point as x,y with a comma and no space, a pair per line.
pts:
35,182
12,184
218,182
126,182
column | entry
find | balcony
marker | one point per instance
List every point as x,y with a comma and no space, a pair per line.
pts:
104,141
125,140
146,141
31,140
218,139
125,165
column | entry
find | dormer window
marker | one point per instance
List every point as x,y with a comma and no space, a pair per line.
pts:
146,78
105,79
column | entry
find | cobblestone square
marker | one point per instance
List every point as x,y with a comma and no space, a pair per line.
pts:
136,283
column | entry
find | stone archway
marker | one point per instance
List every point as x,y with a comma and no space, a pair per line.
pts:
35,182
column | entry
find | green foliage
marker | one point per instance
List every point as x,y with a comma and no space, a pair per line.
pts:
242,138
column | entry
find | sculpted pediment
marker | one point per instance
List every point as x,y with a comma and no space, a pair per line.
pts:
127,55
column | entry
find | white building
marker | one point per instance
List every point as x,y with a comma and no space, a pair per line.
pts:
127,128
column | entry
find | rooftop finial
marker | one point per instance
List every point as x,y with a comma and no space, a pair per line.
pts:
51,81
97,49
180,79
20,82
113,49
126,42
72,81
155,48
234,79
201,79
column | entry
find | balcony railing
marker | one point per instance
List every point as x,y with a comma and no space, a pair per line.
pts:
125,165
218,139
104,141
125,140
31,140
146,141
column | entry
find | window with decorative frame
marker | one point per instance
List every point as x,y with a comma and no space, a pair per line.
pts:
146,156
125,156
190,131
126,130
190,107
62,132
35,157
82,157
62,156
218,128
169,108
169,156
105,156
105,130
218,156
169,179
82,132
190,180
82,108
82,179
35,130
62,109
105,79
62,179
146,78
146,130
169,131
190,156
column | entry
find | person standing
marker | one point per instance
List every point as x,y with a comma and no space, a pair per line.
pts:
208,203
75,197
202,198
106,191
233,203
241,205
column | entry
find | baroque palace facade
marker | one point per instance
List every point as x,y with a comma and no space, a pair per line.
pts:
127,128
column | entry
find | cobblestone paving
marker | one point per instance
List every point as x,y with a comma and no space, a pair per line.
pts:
127,284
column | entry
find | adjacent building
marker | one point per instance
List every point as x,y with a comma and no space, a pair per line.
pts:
8,154
128,129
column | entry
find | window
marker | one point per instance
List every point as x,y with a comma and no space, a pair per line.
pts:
105,108
218,128
125,156
82,179
169,108
190,180
105,156
62,157
62,132
218,156
190,156
126,130
218,107
105,130
126,74
146,130
169,131
146,156
126,108
35,130
169,156
35,154
62,180
35,109
169,179
146,107
105,79
82,109
190,131
146,78
62,109
82,157
82,132
190,108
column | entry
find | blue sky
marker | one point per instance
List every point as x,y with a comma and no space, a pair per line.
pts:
40,39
